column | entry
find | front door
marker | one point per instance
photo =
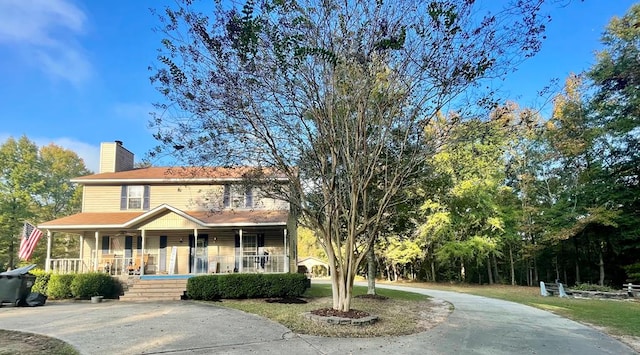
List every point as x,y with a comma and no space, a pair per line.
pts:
200,255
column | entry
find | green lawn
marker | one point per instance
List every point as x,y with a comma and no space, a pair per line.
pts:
409,305
619,317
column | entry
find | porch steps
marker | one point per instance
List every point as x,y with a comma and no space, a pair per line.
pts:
155,290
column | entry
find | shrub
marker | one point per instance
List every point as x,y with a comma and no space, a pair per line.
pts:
42,281
203,288
592,287
59,286
85,286
633,271
211,287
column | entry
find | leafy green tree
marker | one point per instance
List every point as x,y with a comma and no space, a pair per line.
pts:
616,109
582,201
525,156
60,197
35,187
19,186
463,214
334,95
308,244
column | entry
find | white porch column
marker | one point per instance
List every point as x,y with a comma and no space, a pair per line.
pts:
142,265
95,258
286,252
194,251
47,267
241,252
81,256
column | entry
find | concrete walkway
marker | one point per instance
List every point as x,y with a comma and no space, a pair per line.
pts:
477,326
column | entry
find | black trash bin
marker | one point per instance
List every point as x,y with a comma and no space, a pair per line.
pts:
15,285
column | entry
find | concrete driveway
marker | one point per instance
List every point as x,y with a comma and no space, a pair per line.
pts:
477,326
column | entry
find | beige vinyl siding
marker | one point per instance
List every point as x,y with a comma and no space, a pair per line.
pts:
186,198
169,221
101,198
107,157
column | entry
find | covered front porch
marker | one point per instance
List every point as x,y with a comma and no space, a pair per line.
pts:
179,252
166,241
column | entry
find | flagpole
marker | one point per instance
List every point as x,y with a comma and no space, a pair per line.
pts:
47,267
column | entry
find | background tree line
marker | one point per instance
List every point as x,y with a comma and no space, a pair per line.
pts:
516,197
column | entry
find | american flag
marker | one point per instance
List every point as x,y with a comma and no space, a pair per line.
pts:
30,237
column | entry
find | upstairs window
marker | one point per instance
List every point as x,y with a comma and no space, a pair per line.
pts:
134,197
237,197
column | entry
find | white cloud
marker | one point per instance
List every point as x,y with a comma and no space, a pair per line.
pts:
46,31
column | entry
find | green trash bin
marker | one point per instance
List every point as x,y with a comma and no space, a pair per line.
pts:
15,285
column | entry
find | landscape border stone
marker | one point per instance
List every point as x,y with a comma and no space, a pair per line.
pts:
333,320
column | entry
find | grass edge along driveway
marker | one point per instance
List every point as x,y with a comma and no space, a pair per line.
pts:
615,316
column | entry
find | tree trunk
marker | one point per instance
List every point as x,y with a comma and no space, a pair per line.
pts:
575,244
371,272
601,264
513,270
489,272
342,286
496,274
343,272
433,271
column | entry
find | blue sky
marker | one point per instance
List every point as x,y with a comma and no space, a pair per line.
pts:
74,72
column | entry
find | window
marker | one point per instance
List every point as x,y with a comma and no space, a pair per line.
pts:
134,197
237,197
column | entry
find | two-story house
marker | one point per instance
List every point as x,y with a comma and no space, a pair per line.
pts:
175,221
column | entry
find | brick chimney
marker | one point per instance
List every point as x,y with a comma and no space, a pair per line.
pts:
114,157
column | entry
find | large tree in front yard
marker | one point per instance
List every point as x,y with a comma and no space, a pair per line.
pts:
335,94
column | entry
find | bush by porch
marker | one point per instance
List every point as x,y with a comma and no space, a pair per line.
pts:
214,287
76,286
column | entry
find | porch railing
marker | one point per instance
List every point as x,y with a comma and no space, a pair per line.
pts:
69,266
120,265
250,264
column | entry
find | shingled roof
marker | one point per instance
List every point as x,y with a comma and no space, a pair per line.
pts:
182,174
205,218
